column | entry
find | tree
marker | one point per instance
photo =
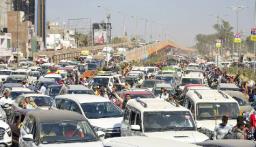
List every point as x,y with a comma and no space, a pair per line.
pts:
206,41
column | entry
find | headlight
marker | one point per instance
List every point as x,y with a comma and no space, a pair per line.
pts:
9,132
99,129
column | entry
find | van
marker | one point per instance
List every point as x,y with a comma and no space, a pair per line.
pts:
160,119
208,106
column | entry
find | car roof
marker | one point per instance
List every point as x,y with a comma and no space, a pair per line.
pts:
83,98
42,116
34,95
77,87
163,85
193,75
52,75
154,104
209,95
20,89
237,94
143,141
228,143
228,85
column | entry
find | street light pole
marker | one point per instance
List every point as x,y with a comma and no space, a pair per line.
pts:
254,44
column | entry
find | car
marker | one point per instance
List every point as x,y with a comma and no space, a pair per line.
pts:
242,100
208,107
17,91
228,87
227,143
157,89
79,89
191,79
16,79
42,59
56,77
136,93
16,119
143,141
160,119
4,74
45,81
53,90
100,112
106,81
41,101
168,78
191,87
61,128
150,83
5,134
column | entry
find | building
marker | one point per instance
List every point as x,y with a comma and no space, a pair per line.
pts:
21,31
5,46
34,11
5,6
27,6
40,19
59,38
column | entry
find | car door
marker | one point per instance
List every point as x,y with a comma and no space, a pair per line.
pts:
15,124
125,122
135,119
75,107
27,128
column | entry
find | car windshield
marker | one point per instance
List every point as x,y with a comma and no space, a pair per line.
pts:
148,84
151,70
54,91
66,132
14,80
43,101
186,81
166,79
101,110
5,72
15,94
19,73
217,110
80,92
92,66
168,121
101,81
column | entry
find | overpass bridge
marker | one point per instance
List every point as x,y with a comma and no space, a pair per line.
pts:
134,54
159,48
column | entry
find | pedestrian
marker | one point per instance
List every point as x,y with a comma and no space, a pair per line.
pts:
6,97
126,99
63,89
253,123
42,89
164,94
222,129
239,131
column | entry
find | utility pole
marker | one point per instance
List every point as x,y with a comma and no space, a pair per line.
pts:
237,10
254,44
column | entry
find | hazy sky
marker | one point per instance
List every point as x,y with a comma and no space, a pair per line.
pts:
180,20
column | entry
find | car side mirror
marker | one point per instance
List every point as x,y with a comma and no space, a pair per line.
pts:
100,134
28,137
135,128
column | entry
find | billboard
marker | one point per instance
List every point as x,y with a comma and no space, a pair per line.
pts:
101,33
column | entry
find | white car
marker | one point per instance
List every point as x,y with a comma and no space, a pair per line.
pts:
142,141
101,112
160,119
5,134
4,74
208,107
57,128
